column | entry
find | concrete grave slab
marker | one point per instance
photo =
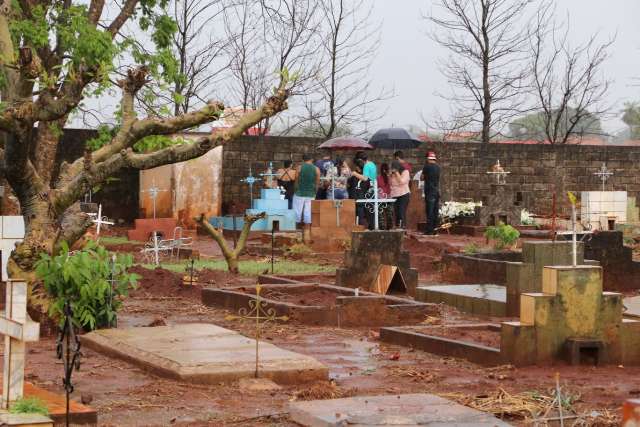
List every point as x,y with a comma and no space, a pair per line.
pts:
632,305
203,353
404,409
481,299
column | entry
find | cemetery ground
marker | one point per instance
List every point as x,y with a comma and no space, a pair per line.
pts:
359,363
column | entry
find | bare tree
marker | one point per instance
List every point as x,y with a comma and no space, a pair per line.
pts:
266,36
487,41
344,97
567,81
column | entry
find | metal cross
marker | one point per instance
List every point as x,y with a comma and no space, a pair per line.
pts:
99,220
156,248
604,174
336,203
153,191
259,312
250,180
269,175
373,201
499,172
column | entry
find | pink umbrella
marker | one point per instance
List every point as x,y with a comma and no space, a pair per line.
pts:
346,143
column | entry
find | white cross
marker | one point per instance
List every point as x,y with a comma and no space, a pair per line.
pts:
269,175
604,174
18,329
336,203
99,220
499,172
156,248
374,202
153,191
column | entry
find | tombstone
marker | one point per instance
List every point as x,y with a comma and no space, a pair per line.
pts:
526,276
12,232
598,208
571,319
389,280
18,329
370,250
332,222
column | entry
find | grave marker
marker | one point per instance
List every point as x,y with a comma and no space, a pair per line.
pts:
372,203
269,175
18,329
604,174
103,220
153,191
250,179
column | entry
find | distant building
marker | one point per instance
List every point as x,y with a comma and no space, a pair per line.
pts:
230,118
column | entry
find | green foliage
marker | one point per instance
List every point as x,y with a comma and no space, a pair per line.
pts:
532,126
250,267
631,117
471,249
503,235
83,279
29,405
145,145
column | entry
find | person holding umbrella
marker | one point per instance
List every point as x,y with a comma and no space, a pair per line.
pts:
431,178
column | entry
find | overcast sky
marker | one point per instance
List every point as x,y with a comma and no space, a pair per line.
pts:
407,59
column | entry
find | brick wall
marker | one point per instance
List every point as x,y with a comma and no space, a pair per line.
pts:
536,170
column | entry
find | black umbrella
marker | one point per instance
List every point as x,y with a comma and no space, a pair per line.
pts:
395,138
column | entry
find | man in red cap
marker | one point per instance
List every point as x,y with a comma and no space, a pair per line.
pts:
431,178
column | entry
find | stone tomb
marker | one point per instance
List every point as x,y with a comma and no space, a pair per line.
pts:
203,353
403,409
572,319
499,206
526,276
316,304
480,299
369,251
331,226
598,207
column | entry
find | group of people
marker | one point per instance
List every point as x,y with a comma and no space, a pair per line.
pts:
336,179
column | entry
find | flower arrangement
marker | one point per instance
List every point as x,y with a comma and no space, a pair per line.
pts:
526,218
451,210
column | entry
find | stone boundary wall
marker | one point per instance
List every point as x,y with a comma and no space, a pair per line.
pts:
536,170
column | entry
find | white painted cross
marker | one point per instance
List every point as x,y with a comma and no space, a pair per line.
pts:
99,220
18,329
269,175
153,191
499,172
374,202
331,177
604,174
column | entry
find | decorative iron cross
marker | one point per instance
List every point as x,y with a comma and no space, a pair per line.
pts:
604,175
18,329
99,220
269,175
259,312
153,191
250,180
373,201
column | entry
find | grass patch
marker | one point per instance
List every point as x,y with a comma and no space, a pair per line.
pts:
249,267
29,405
118,240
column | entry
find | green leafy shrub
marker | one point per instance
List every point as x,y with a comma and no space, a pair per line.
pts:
83,279
503,235
471,249
29,405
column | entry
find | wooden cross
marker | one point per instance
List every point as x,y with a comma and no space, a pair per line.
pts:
499,172
99,220
18,329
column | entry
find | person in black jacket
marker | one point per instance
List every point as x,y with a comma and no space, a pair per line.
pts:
431,178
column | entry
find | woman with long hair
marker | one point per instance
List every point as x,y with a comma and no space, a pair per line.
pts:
384,188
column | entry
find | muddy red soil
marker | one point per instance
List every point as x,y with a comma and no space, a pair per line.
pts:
359,364
317,297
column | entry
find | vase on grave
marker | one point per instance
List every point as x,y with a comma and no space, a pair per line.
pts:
271,202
